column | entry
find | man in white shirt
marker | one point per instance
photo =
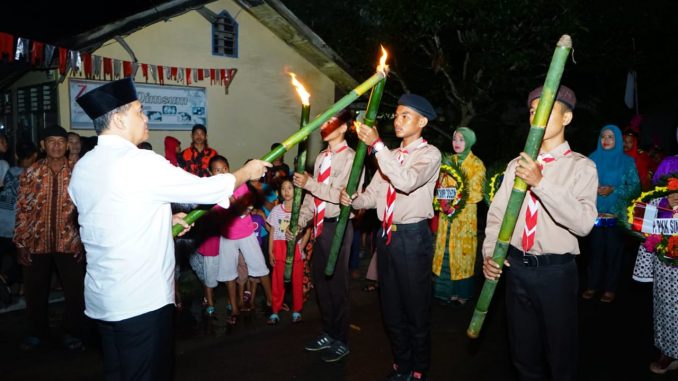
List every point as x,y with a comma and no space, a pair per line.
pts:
123,196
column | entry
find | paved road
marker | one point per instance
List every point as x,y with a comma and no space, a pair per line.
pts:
616,344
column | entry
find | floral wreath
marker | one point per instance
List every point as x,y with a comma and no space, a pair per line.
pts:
451,208
664,246
495,176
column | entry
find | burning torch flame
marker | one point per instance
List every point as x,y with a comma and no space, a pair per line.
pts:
382,61
301,90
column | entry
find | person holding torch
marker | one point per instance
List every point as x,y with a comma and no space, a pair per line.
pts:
321,206
402,193
541,289
123,197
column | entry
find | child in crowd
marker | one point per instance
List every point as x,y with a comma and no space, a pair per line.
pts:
238,237
278,221
206,261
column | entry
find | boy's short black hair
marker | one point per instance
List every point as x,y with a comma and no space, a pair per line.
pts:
216,158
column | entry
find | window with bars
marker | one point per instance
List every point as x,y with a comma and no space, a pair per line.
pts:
225,36
36,109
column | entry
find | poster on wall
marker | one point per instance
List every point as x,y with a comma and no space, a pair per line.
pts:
167,107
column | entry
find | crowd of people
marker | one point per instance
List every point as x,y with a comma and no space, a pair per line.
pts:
102,215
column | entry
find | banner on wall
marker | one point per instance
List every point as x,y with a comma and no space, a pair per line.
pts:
167,107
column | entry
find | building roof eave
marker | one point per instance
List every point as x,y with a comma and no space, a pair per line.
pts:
284,24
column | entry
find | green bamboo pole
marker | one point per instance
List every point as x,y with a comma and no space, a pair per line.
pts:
515,202
296,204
354,177
298,136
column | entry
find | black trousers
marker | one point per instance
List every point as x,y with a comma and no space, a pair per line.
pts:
38,284
542,320
332,291
139,348
404,268
607,258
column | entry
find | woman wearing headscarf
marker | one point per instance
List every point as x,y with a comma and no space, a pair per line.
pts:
649,268
643,161
456,241
172,150
617,183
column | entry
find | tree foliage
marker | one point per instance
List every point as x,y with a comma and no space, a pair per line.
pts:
477,59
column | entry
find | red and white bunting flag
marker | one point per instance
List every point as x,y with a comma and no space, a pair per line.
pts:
96,62
126,69
161,75
21,53
37,53
144,71
49,54
6,46
63,60
108,67
87,65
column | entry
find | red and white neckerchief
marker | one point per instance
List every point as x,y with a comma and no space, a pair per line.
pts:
531,213
324,178
387,221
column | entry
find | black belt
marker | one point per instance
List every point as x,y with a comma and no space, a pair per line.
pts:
412,226
521,258
331,219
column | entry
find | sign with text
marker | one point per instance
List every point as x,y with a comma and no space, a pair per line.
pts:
167,107
446,193
665,226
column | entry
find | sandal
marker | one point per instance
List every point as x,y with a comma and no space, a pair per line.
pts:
273,319
232,319
30,343
663,365
296,317
588,294
371,287
72,343
608,297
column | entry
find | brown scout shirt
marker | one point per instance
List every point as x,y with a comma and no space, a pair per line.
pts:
414,181
567,194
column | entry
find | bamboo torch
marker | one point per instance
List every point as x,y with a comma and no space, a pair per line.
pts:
532,145
301,167
300,135
357,167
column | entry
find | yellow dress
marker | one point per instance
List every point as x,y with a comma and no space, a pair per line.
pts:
460,237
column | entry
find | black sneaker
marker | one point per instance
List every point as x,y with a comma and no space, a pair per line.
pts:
336,352
321,342
397,376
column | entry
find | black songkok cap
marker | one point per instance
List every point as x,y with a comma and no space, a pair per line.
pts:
108,97
54,130
418,104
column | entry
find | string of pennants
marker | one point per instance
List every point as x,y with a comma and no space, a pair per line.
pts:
93,66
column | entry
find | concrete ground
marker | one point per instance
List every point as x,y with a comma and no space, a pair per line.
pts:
616,343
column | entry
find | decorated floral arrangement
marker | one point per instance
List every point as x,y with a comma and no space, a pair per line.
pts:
664,246
452,189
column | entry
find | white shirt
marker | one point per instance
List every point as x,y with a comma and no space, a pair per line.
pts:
123,197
